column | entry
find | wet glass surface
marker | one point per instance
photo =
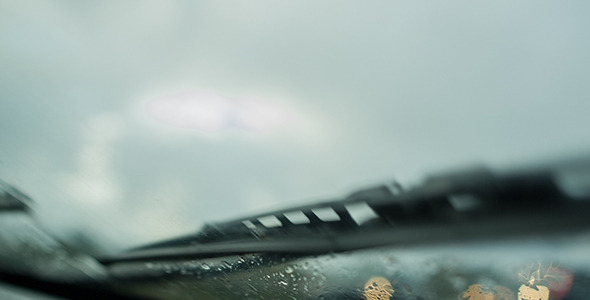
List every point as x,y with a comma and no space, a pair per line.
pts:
530,269
27,249
129,128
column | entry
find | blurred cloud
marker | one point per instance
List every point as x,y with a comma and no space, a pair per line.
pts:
93,184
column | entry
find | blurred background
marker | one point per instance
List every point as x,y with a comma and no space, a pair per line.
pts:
129,122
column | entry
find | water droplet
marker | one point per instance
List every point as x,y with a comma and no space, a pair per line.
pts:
184,271
227,264
284,283
167,269
252,287
205,267
289,270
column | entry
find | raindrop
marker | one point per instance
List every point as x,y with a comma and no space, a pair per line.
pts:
167,269
284,283
205,267
227,264
289,270
252,287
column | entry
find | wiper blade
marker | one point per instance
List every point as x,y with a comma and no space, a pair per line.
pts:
472,204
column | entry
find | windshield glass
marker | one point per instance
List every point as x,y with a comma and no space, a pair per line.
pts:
129,123
454,271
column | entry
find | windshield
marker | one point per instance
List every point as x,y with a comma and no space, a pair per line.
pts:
129,123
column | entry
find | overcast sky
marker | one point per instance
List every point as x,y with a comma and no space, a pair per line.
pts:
349,93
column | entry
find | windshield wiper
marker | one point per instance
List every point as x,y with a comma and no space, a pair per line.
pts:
471,204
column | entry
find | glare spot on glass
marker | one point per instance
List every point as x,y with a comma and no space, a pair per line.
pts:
481,292
538,292
259,115
540,282
378,288
212,112
199,110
